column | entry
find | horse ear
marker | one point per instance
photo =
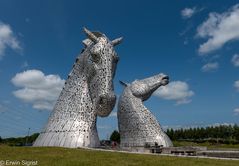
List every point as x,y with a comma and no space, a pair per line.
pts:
123,83
90,35
117,41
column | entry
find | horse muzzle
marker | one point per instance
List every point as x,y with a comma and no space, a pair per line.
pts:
165,80
105,104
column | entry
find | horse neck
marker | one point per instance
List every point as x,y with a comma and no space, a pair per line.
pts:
129,98
138,105
75,97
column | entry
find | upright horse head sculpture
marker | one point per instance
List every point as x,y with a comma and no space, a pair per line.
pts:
88,93
137,125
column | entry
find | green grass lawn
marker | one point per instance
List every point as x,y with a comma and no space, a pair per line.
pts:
62,156
208,145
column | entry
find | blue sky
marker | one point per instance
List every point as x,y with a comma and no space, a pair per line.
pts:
194,42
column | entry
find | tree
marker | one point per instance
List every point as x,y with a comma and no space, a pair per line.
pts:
0,139
227,134
115,136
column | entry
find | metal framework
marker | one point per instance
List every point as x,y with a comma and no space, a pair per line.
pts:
137,125
87,93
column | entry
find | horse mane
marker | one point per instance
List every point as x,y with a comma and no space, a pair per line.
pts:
123,83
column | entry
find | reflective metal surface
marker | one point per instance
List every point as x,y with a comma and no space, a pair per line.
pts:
138,127
88,93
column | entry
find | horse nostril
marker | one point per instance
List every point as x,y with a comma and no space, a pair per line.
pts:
166,78
104,99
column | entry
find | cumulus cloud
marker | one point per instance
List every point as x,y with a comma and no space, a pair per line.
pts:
236,85
113,114
38,89
177,90
219,29
188,12
235,60
7,39
209,67
236,111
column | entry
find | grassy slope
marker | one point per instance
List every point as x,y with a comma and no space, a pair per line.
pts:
71,157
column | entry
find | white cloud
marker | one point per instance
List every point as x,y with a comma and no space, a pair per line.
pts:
7,39
236,111
38,89
177,90
236,85
219,29
113,114
235,60
188,12
210,67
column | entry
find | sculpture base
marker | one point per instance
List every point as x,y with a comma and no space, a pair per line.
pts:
66,139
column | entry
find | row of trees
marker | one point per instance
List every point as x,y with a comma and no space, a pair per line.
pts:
219,134
20,141
222,133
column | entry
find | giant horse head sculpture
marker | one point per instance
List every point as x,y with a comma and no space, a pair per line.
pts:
88,92
101,61
137,125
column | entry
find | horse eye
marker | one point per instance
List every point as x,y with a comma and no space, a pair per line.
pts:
95,58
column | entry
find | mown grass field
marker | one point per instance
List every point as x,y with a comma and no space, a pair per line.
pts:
210,146
72,157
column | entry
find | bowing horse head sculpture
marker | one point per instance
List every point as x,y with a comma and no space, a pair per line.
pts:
88,92
138,127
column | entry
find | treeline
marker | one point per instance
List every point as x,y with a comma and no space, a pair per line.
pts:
227,134
20,141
